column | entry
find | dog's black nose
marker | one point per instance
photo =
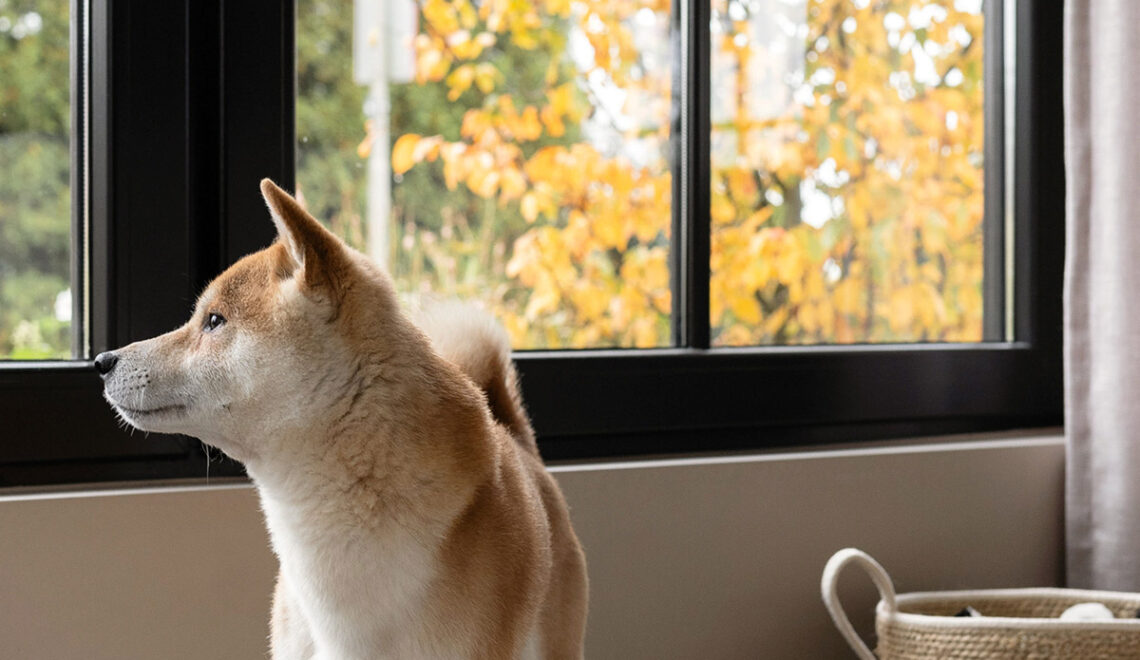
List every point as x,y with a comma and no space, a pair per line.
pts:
105,362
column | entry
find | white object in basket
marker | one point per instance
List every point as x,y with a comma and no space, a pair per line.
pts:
1018,623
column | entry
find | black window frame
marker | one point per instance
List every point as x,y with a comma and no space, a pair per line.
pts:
191,104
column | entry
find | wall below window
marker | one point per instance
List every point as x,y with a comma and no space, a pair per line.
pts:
702,558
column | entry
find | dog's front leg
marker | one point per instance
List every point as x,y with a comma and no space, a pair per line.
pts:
289,636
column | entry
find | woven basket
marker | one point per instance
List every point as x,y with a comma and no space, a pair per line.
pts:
1017,623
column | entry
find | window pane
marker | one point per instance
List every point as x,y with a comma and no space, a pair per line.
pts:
847,148
516,153
35,166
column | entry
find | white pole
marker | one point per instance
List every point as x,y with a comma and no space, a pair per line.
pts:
382,53
379,176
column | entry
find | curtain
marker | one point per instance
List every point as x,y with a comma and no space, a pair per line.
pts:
1102,293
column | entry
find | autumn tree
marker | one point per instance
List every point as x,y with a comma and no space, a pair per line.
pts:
531,165
885,124
587,264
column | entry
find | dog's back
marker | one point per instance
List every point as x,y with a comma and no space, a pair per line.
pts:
472,340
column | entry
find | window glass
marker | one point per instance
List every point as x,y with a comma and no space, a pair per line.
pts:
35,168
516,153
847,171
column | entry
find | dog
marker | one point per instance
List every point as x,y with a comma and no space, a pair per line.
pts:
397,469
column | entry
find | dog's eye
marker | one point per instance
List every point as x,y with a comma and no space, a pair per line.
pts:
214,321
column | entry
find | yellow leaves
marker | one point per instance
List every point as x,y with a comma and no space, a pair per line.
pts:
455,163
459,81
897,154
590,300
561,106
608,29
501,124
609,229
588,261
588,216
523,127
542,302
524,38
560,8
512,184
858,205
430,65
427,148
411,148
915,307
529,207
521,20
901,310
465,47
933,236
483,182
441,15
741,183
722,210
578,233
483,75
848,297
553,122
545,164
645,276
969,305
402,159
526,126
745,308
478,126
791,265
486,76
432,61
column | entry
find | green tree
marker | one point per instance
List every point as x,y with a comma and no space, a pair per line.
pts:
35,196
330,118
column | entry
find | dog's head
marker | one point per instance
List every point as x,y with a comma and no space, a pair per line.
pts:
268,345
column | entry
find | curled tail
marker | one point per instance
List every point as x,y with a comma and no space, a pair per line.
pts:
475,342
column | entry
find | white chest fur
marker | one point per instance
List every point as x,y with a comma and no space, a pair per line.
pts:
357,589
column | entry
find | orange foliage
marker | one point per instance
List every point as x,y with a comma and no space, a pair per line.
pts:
592,269
884,132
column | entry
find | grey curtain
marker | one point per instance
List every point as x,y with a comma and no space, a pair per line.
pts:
1102,293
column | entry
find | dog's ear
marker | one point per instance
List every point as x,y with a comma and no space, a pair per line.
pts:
318,258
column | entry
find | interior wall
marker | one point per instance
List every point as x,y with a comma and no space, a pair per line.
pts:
701,558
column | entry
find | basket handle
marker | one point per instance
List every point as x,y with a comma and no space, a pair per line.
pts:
829,584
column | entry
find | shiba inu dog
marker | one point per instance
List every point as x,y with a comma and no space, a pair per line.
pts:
398,472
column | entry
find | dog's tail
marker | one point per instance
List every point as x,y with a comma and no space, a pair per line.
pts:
475,342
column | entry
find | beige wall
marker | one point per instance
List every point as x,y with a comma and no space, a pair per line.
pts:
712,558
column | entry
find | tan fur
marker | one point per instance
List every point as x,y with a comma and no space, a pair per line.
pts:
402,487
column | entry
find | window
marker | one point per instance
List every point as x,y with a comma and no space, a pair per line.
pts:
696,178
36,289
848,186
515,154
521,155
148,217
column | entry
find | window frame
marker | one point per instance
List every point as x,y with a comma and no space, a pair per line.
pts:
697,398
213,84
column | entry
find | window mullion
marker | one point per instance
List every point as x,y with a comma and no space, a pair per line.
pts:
994,263
691,226
80,66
